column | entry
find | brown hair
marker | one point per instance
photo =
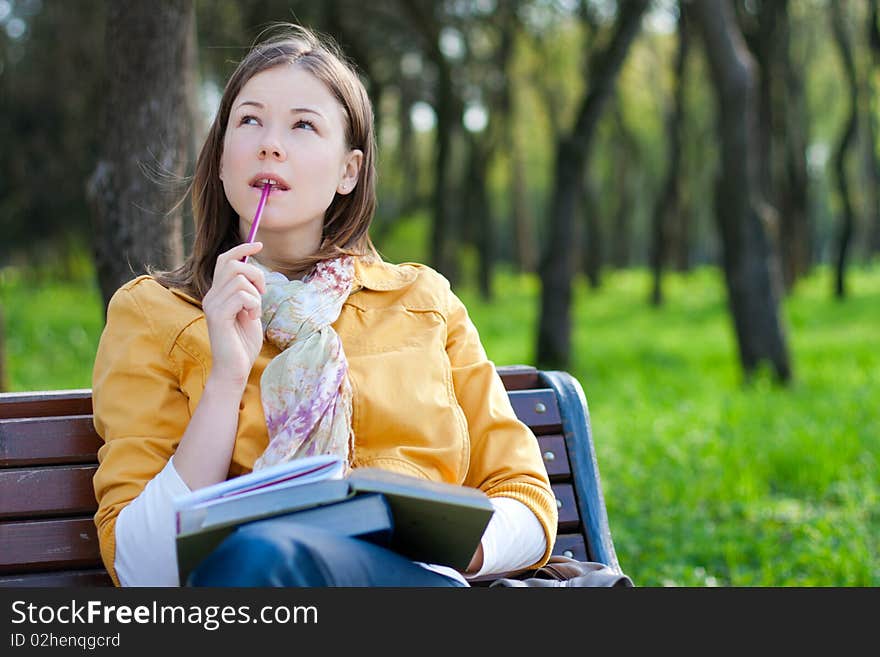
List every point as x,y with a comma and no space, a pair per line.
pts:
347,220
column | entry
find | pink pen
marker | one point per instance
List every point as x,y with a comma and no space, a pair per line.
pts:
256,221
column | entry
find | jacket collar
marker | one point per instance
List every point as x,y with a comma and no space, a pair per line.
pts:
186,297
375,274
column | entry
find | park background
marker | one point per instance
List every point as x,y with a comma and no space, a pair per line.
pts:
676,202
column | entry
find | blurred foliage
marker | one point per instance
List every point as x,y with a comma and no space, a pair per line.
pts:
50,103
51,77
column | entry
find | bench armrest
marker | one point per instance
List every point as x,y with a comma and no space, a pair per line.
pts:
579,442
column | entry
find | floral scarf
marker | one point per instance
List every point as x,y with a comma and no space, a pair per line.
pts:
305,389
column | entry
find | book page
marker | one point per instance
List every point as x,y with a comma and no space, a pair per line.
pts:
297,471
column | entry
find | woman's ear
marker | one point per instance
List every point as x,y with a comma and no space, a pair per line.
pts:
350,172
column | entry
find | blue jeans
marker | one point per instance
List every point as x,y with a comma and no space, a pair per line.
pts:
279,553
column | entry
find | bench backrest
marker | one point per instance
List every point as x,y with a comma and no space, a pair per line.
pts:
48,449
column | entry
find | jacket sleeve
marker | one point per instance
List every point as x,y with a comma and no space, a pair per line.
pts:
505,459
139,410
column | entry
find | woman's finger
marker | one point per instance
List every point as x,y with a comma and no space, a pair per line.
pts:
230,306
235,254
227,270
239,282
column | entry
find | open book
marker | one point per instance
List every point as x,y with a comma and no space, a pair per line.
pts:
423,520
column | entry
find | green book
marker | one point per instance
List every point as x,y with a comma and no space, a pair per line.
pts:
433,522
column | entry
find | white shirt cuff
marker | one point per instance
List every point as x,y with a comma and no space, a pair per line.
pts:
513,540
146,548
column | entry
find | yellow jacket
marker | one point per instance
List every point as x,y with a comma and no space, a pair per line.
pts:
426,400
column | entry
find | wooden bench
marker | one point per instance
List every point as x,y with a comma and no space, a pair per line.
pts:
48,449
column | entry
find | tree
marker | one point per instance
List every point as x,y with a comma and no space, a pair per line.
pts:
625,180
487,71
448,106
782,130
522,223
572,154
868,112
874,42
845,143
668,203
751,276
147,120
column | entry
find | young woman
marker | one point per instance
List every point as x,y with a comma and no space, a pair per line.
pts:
302,342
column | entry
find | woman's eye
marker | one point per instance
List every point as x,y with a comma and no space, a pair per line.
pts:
247,118
302,123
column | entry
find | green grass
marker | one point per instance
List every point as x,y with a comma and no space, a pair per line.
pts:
708,481
52,329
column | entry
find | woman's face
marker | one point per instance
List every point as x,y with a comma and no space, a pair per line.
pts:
285,125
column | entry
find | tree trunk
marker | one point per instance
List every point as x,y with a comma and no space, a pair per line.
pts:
198,131
752,283
593,239
668,200
681,241
485,143
870,164
144,151
874,41
624,154
525,246
478,212
444,230
793,203
847,218
783,138
572,155
444,233
521,222
409,163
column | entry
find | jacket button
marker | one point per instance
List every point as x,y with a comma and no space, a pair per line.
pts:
549,456
540,408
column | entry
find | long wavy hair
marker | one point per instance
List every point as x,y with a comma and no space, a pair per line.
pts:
346,221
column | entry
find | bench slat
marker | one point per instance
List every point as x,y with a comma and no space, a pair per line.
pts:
519,377
537,409
569,520
71,543
62,578
47,440
45,403
555,457
50,491
572,546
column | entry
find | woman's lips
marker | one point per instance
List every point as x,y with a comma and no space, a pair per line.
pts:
275,189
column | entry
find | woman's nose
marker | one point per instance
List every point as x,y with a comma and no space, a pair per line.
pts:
271,147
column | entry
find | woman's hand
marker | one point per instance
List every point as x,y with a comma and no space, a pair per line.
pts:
232,309
476,561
